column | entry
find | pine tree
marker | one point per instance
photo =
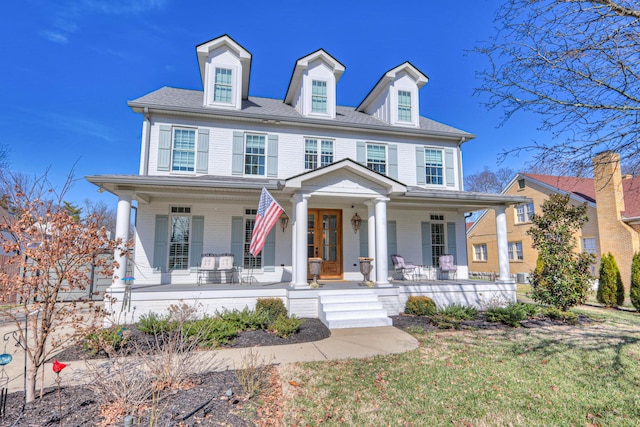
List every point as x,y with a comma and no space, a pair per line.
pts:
610,289
635,281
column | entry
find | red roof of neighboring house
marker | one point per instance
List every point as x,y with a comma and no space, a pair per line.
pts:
469,225
585,188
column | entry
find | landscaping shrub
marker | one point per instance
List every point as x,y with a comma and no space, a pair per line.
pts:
211,331
610,289
444,321
562,276
285,326
420,306
459,312
635,281
510,315
106,340
246,320
530,309
153,323
274,307
564,316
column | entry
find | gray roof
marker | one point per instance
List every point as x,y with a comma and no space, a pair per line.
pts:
173,99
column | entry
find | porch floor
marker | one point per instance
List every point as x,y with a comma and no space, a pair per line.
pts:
324,285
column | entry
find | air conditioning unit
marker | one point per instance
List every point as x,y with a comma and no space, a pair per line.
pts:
523,278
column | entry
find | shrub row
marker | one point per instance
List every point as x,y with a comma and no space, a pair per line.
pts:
209,331
451,317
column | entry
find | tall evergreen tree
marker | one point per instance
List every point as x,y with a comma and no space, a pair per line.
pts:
562,276
610,289
635,281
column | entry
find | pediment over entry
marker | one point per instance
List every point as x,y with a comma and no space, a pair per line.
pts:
344,178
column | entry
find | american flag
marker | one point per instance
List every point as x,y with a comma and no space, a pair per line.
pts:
268,213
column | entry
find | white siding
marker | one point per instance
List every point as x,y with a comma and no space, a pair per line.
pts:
291,147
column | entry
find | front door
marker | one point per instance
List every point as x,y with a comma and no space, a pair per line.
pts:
325,241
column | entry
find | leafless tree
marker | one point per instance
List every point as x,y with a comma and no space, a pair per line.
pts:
576,64
489,181
100,209
51,252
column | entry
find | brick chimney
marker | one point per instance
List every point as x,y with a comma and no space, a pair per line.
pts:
608,182
615,236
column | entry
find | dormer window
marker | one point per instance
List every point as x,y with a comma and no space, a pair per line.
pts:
404,106
319,96
223,87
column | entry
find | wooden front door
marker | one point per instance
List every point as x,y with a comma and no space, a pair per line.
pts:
324,240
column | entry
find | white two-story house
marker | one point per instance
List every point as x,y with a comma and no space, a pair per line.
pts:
206,155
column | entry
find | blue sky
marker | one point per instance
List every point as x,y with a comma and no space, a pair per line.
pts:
70,66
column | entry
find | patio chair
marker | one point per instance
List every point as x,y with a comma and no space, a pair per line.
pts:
402,267
447,266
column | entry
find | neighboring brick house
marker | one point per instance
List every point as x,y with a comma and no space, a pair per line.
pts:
613,208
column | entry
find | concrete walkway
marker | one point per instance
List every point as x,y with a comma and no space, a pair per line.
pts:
342,344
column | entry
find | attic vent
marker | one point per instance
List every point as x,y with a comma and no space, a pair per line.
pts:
521,183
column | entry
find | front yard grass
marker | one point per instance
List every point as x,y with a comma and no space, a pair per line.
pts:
557,376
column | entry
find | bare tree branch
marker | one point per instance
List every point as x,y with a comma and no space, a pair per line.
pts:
575,63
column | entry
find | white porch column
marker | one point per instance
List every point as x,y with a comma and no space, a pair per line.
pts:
503,245
301,209
382,265
371,234
123,221
294,257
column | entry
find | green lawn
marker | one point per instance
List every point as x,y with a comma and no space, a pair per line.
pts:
559,376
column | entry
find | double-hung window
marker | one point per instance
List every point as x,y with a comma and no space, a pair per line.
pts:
515,251
480,252
254,154
404,106
524,213
318,96
179,228
248,260
377,158
434,166
589,245
184,150
223,88
311,149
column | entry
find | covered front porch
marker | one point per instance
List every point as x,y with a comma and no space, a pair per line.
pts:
142,299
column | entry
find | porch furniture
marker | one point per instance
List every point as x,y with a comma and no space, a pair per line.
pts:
425,272
212,265
447,266
403,267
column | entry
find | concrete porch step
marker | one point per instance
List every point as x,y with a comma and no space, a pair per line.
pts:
352,310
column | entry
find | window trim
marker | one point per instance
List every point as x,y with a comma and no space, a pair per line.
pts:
484,254
589,250
173,149
325,96
318,152
386,157
263,155
173,214
249,214
525,212
443,167
519,255
231,85
409,109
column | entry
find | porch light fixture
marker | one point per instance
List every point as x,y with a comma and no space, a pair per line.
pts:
284,221
356,222
101,189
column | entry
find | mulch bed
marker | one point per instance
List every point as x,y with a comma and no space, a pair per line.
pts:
205,402
207,392
405,322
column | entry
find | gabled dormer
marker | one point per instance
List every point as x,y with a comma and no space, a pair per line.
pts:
312,89
224,69
394,99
